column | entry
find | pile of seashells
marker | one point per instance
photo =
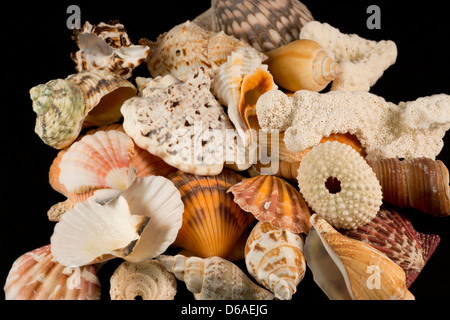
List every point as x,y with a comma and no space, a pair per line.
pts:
342,163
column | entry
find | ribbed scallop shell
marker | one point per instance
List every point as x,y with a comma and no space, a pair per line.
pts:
347,269
284,163
238,83
265,24
212,221
60,109
302,65
274,257
214,278
187,47
148,280
393,234
107,46
36,275
271,199
104,93
420,183
97,161
147,164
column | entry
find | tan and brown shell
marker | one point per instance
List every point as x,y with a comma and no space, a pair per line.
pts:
264,24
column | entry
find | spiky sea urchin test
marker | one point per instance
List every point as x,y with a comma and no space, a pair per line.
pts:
339,185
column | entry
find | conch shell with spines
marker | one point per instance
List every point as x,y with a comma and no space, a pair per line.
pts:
302,65
420,183
274,257
214,278
348,269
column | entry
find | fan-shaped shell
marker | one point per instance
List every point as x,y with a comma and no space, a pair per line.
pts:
274,257
302,65
148,280
271,199
107,46
187,47
37,276
212,221
393,234
420,183
266,24
238,83
60,109
214,278
116,224
346,269
97,161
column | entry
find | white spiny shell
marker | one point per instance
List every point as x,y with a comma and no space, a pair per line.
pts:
265,24
107,46
147,279
136,224
36,275
274,257
214,278
97,161
238,83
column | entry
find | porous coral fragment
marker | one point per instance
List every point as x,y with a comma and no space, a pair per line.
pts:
358,198
362,61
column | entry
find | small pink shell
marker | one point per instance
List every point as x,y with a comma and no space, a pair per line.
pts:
393,234
36,275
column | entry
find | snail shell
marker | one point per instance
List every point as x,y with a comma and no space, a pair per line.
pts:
302,65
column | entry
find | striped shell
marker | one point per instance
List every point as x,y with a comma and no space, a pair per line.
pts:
148,280
393,234
36,275
212,221
271,199
420,183
302,65
348,269
265,24
214,278
187,47
107,46
274,257
238,83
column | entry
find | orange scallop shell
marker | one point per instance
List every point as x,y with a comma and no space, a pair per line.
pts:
271,199
212,221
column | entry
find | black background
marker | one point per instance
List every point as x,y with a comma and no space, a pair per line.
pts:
36,45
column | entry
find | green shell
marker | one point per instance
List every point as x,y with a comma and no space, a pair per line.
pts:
60,109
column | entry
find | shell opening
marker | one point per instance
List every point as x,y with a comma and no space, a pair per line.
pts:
333,185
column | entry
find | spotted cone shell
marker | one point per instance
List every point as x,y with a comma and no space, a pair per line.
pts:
36,275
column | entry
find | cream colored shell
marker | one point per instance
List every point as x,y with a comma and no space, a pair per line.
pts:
214,278
148,280
359,196
274,257
348,269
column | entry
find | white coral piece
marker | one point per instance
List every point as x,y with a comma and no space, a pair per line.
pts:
386,130
362,61
360,197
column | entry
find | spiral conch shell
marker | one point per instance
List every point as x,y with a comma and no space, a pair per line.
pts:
265,24
147,279
214,278
64,107
107,46
420,183
274,257
187,47
302,65
36,275
238,83
348,269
